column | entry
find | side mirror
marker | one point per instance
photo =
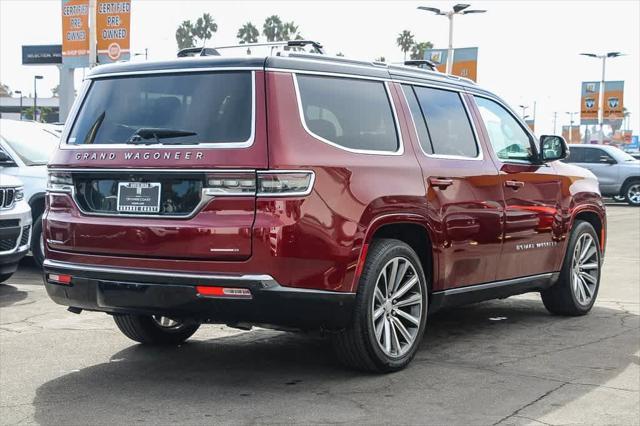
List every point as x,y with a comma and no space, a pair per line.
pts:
553,148
5,160
607,160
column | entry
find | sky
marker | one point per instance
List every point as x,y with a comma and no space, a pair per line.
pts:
528,50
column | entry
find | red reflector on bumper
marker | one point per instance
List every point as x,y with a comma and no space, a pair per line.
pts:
59,278
230,292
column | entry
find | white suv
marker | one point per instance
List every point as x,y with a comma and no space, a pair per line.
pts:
27,147
15,225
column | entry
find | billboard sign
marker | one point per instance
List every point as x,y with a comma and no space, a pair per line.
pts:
465,61
75,33
613,100
113,23
42,54
438,57
589,101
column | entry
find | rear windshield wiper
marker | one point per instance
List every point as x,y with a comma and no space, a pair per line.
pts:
143,134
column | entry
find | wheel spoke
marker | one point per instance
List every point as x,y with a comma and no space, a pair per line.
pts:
587,277
589,266
379,328
402,270
415,299
387,336
582,296
403,330
406,287
587,250
378,294
392,277
378,313
408,317
586,290
395,343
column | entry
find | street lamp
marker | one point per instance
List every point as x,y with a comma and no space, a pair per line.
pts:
571,113
19,92
601,94
458,9
35,96
524,109
146,53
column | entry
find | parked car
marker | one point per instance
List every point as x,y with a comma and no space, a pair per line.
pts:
299,191
29,145
618,173
15,223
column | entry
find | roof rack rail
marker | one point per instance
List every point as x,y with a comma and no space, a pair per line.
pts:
214,51
421,63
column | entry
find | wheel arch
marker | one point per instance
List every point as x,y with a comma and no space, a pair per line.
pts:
409,228
627,181
596,218
37,204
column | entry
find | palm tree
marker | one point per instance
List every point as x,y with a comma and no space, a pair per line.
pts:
248,33
418,49
405,40
290,32
272,28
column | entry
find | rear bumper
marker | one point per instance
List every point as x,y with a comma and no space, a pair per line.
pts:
147,292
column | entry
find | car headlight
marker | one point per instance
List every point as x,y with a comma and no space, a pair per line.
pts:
19,194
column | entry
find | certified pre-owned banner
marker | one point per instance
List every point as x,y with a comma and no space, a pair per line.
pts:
589,101
75,33
113,19
438,57
613,94
465,61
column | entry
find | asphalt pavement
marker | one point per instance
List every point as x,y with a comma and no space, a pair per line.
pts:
498,362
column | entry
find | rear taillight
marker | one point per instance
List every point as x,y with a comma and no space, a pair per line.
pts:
224,292
267,183
59,278
59,182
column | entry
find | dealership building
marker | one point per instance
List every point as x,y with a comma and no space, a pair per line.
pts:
10,107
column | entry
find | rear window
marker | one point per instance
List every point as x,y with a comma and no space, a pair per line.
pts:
182,108
355,114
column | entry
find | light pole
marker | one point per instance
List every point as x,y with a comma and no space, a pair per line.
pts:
19,92
601,94
458,9
35,97
524,110
555,120
571,113
146,53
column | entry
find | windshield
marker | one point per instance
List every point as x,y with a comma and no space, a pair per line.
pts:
33,143
190,108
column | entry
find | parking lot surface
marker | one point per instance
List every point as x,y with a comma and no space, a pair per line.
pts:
498,362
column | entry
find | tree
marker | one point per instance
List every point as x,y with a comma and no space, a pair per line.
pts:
5,92
248,33
418,49
55,92
272,28
189,34
43,112
290,32
405,40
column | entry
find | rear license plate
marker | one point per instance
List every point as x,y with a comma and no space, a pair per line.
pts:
138,197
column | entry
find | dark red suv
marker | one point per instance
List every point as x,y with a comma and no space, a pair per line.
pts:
305,192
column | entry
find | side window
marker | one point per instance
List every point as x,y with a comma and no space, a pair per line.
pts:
352,113
418,119
509,140
595,155
576,155
447,122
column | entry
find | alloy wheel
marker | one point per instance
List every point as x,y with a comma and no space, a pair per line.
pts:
633,193
396,310
585,269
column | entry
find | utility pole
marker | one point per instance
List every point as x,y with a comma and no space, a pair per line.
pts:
524,110
19,92
571,113
93,37
458,9
35,97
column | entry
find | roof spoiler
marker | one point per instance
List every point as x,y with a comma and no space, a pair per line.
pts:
421,63
214,51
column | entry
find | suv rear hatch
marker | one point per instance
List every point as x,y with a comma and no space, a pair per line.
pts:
161,164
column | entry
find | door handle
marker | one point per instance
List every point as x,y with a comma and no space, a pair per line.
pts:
441,183
515,184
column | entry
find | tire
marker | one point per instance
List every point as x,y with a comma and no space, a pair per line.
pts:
379,348
575,293
4,277
37,246
631,193
148,330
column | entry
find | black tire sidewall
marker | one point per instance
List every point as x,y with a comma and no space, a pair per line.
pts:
36,235
367,285
580,229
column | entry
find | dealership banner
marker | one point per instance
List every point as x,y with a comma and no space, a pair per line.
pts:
75,33
113,23
589,101
465,61
571,134
613,100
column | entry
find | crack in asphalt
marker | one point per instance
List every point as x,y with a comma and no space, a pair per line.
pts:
529,404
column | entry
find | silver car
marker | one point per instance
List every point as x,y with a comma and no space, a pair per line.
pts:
618,172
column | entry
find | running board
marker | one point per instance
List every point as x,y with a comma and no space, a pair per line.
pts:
493,290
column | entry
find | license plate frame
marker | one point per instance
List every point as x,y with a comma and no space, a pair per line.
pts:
139,197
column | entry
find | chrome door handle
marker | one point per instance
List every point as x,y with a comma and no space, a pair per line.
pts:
515,184
441,183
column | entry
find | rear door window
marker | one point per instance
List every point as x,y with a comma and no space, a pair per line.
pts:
418,119
351,113
447,122
576,155
184,108
595,155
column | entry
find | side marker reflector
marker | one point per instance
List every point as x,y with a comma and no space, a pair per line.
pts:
224,292
59,278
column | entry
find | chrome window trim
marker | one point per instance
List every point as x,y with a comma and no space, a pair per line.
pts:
170,71
478,157
523,126
64,144
399,151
